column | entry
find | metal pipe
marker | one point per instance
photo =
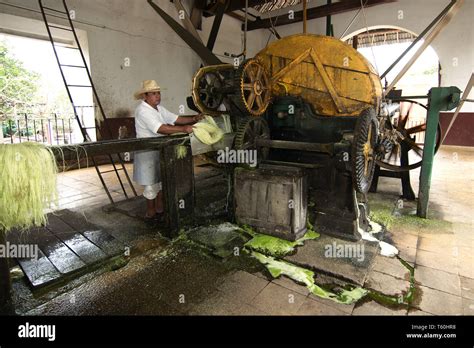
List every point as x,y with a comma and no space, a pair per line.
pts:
433,34
410,97
423,33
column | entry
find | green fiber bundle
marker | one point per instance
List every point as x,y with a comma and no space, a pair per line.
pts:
181,151
207,131
306,277
27,184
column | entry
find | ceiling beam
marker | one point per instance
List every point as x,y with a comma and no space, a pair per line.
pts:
236,16
196,17
233,5
216,24
202,51
240,4
315,12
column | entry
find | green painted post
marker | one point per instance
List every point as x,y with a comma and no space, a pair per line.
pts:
439,99
328,22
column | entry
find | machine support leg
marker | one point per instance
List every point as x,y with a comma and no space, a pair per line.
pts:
178,189
439,99
375,180
407,191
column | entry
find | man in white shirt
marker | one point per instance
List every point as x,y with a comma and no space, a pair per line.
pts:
153,120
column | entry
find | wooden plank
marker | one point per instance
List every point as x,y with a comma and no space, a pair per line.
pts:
85,249
106,242
40,271
327,81
105,147
262,199
280,212
205,172
211,181
55,250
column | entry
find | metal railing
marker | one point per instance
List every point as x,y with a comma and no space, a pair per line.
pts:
52,130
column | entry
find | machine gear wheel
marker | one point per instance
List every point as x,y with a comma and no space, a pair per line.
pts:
247,133
253,91
209,86
363,150
411,135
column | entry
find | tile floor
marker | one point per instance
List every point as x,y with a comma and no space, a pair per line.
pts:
443,257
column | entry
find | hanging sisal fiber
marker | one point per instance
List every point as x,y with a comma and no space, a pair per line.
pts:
207,131
181,151
27,184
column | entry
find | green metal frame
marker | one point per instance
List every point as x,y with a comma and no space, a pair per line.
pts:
439,99
329,29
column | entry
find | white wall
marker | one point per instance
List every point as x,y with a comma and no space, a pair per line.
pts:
455,44
120,29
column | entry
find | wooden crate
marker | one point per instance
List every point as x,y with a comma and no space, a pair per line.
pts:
272,199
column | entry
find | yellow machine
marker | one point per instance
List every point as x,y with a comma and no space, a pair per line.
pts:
327,73
305,101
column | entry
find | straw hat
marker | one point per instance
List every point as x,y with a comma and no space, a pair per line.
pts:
147,87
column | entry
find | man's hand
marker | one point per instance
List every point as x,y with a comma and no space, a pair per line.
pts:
188,129
198,117
188,119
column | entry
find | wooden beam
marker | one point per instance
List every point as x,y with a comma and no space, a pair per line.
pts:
178,189
236,16
202,51
196,18
98,148
222,4
355,42
315,12
188,24
233,6
296,145
240,4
